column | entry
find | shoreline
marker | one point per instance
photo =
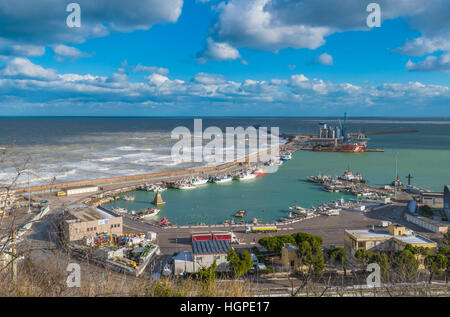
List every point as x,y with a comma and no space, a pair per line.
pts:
138,178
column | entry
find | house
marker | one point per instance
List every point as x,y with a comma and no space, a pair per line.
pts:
393,239
205,252
289,257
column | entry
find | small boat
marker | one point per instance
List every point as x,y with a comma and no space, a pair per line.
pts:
199,181
245,176
149,213
286,157
241,213
260,171
223,179
186,186
128,197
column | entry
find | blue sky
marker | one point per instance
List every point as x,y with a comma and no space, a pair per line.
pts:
235,57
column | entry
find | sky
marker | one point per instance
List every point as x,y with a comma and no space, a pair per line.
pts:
224,58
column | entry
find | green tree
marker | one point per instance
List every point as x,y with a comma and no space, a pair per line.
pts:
276,243
208,275
406,265
364,255
338,255
239,263
426,211
446,239
435,264
445,251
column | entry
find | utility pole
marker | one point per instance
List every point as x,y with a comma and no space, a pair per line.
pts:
396,175
14,260
29,193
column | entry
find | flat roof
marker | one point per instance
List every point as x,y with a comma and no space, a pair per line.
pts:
184,256
210,247
413,239
85,214
369,234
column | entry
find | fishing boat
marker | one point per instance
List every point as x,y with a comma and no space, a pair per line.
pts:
286,157
241,213
245,176
260,171
186,186
149,213
222,179
128,197
197,181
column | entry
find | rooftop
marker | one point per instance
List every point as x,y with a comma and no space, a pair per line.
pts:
85,214
290,246
210,247
369,234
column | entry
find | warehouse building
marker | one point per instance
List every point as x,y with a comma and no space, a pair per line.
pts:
432,199
89,223
203,256
427,223
78,190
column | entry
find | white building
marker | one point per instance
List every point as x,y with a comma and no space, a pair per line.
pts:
81,190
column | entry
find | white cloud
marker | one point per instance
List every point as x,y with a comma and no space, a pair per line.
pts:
6,48
217,52
431,64
150,69
22,67
44,23
24,82
325,59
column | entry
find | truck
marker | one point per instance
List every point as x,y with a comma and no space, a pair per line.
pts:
215,235
256,229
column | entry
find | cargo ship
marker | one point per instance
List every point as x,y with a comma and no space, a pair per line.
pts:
337,139
349,148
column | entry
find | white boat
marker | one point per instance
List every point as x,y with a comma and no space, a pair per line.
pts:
150,213
245,176
224,179
199,181
186,186
128,197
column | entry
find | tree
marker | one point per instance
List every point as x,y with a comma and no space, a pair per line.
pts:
446,239
426,211
338,254
276,243
406,264
435,264
239,263
364,255
208,275
445,251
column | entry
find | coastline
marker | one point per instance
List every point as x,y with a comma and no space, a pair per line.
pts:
131,179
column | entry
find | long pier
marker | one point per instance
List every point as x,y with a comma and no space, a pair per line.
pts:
148,177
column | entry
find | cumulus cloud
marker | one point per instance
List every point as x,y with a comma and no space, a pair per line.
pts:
23,82
431,64
217,52
22,67
325,59
62,51
150,69
9,49
25,21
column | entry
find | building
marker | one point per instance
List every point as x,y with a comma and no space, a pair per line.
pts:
447,201
81,190
393,239
89,223
205,252
289,257
432,199
427,223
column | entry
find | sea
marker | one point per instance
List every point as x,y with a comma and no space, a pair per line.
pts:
61,149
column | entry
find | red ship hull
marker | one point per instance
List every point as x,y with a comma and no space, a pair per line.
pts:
347,148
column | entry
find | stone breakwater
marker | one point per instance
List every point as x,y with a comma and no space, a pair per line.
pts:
152,177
